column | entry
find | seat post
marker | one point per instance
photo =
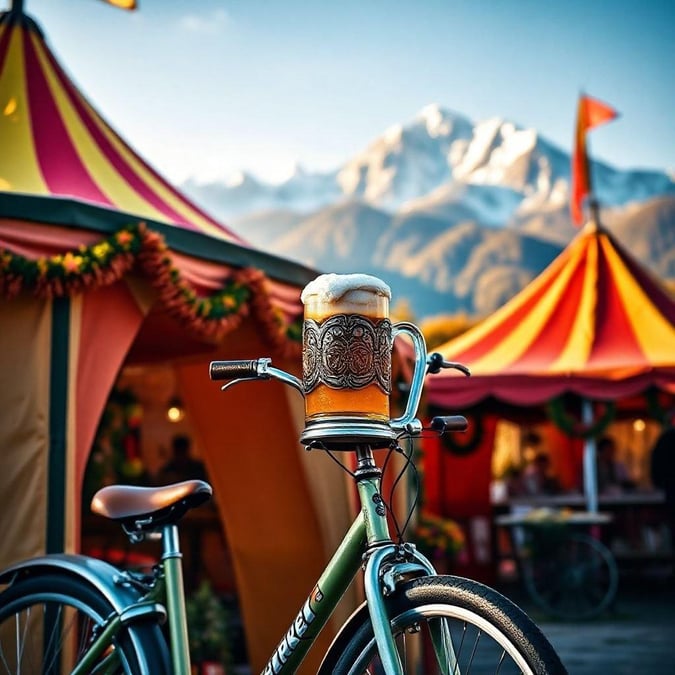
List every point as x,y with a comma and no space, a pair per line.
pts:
175,598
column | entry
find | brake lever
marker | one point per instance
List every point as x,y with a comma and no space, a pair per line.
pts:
436,362
231,383
265,371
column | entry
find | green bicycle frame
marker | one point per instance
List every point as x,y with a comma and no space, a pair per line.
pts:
168,590
321,602
369,535
367,543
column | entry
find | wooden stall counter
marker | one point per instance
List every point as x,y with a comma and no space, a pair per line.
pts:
635,529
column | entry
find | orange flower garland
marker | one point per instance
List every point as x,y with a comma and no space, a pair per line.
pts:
137,247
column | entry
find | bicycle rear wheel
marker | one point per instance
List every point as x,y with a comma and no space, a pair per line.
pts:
488,633
577,579
47,622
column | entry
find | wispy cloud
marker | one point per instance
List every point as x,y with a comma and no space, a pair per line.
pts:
206,24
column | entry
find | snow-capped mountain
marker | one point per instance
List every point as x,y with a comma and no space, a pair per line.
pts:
439,149
454,215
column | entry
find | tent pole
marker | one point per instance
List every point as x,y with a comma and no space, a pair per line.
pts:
58,424
590,466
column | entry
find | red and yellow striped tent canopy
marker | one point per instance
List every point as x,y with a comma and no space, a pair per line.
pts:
55,143
594,323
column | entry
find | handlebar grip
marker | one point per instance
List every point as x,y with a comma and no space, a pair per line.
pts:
231,370
449,423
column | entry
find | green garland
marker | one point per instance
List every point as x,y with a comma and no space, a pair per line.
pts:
105,262
115,455
468,445
572,427
654,409
108,260
73,266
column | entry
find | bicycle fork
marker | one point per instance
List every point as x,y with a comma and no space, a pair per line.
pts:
385,566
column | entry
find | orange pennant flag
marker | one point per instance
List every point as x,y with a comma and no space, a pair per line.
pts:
122,4
591,113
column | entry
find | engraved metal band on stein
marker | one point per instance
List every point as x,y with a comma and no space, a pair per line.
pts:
346,351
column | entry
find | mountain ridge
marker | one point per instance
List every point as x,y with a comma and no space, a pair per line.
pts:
457,215
436,147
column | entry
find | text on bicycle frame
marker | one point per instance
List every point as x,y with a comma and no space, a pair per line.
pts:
292,639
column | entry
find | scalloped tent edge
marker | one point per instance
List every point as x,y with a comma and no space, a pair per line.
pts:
594,323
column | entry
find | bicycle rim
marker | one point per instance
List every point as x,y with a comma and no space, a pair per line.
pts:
451,626
48,622
476,646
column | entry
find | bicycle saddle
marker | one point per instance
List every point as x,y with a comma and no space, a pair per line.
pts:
149,507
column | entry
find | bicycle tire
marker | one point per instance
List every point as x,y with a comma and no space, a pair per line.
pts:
577,581
489,634
47,619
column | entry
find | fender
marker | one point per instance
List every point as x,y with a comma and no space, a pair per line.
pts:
358,618
98,574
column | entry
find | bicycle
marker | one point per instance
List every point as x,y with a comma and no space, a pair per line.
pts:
569,574
124,622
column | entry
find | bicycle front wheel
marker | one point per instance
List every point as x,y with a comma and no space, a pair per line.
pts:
482,632
48,621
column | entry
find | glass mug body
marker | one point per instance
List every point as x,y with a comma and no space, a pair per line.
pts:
344,337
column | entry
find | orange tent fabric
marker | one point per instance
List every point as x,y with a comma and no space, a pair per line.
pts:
594,323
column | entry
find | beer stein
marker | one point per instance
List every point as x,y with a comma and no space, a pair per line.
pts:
346,361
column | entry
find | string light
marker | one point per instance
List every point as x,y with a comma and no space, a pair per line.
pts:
175,412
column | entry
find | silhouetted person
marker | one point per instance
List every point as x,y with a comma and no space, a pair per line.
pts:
181,466
663,470
612,474
538,478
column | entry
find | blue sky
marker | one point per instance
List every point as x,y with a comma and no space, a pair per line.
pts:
206,87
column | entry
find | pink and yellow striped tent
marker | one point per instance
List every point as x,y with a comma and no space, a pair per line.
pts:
102,263
67,148
594,323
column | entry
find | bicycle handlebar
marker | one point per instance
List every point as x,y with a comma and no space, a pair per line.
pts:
261,369
232,370
449,423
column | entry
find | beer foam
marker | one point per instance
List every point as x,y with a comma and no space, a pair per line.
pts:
333,287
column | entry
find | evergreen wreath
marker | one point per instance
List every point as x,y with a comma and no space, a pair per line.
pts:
573,427
468,445
654,409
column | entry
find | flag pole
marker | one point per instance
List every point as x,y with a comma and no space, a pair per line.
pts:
594,208
590,467
592,200
590,113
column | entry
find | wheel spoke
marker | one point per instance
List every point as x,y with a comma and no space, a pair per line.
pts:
483,634
42,636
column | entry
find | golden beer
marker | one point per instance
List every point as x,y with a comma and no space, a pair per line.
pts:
347,340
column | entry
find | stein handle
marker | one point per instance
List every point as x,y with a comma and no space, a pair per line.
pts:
420,345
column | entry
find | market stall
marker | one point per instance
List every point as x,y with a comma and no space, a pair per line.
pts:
586,347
